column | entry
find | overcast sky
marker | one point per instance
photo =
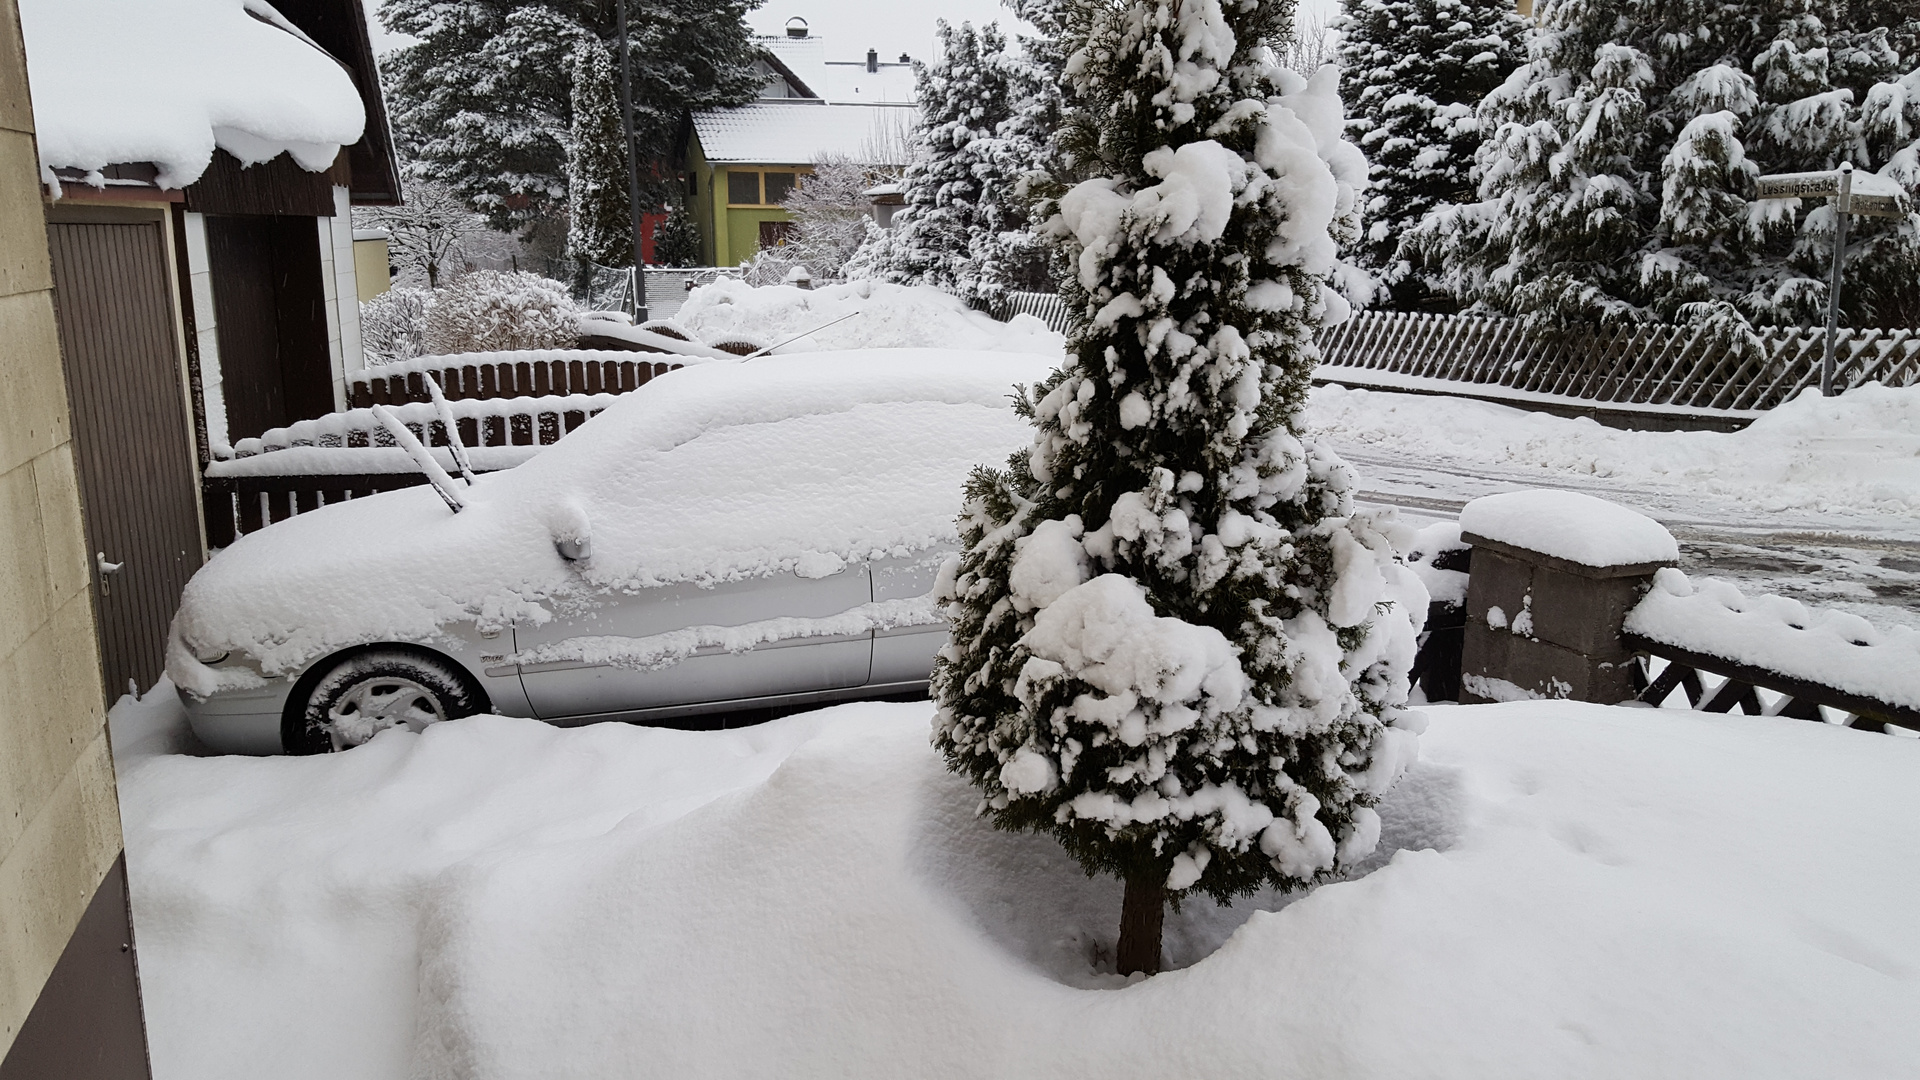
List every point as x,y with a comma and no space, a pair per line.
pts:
851,27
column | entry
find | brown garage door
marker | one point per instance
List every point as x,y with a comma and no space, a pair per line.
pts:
130,433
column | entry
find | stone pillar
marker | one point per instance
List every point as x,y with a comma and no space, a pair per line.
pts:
1546,623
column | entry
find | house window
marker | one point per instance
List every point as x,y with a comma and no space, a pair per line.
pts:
779,185
743,188
746,188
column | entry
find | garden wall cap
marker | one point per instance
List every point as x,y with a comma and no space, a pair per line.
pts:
1569,525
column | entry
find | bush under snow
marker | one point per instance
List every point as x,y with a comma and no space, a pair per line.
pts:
495,311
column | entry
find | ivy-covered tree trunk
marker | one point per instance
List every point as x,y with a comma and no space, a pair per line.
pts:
1176,645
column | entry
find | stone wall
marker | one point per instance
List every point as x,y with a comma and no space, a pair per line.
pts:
59,818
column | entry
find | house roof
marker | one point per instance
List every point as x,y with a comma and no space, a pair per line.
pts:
841,82
168,81
776,133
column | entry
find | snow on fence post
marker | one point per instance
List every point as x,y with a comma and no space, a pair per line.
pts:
1554,575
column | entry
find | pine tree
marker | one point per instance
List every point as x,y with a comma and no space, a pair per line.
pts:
676,240
963,226
1417,69
484,100
599,220
1615,185
1176,647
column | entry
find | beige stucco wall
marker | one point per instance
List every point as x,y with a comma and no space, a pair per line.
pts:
59,821
372,273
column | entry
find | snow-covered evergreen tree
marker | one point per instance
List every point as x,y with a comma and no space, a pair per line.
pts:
1176,646
1415,71
963,226
1615,184
676,240
599,219
483,101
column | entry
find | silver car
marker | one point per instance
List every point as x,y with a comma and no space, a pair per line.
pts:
729,538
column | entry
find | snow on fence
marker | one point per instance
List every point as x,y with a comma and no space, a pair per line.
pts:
1645,372
666,288
1650,376
484,376
347,455
1807,656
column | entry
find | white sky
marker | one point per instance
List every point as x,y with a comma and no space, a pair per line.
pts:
851,27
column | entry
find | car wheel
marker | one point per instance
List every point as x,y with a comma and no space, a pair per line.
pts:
371,692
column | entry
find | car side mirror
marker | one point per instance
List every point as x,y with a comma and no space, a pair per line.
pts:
574,549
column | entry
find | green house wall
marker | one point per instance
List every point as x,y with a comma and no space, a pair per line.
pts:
729,236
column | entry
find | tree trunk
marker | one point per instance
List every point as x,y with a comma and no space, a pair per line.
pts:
1142,911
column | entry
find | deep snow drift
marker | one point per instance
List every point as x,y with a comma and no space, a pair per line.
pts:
1563,890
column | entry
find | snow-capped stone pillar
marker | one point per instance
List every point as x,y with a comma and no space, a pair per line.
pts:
1554,575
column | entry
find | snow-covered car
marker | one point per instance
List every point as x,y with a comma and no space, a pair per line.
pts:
730,536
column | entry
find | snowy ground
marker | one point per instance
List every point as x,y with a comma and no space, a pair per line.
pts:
1564,890
1819,500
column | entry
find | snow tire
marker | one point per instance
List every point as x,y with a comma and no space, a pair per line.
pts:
370,691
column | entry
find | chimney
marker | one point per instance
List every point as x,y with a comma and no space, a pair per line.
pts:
905,59
873,59
796,27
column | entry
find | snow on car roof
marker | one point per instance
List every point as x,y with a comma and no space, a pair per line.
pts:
706,474
166,81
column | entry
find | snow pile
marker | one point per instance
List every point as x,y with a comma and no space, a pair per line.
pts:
166,81
707,474
1438,557
884,316
1775,633
1558,893
1572,526
1857,453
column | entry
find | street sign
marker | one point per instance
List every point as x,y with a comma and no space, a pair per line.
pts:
1826,185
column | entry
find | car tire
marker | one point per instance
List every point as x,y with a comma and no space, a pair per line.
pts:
372,691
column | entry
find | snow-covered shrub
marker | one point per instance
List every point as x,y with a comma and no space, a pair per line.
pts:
830,212
490,311
1176,645
599,220
393,325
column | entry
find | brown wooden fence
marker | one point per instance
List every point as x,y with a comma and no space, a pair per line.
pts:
482,376
1661,366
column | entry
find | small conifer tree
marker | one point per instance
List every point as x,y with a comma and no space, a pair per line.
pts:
599,226
1176,646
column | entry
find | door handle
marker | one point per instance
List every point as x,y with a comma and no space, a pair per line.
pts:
107,570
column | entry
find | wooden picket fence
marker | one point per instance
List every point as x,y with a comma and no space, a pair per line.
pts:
521,374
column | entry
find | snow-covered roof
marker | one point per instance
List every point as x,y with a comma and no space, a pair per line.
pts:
776,133
848,81
167,81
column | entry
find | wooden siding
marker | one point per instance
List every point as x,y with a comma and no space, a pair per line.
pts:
279,186
115,306
270,305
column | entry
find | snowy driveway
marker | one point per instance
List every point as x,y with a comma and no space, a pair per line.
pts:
1821,502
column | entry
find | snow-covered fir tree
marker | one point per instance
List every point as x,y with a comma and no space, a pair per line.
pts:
599,218
676,240
963,225
1415,71
1615,182
484,100
1176,645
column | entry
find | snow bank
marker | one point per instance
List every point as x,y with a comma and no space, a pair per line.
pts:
1559,893
1572,526
1829,648
1858,453
889,317
166,81
706,474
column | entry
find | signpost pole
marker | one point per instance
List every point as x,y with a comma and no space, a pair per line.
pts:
1842,209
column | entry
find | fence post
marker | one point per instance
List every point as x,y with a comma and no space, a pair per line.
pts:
1554,575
